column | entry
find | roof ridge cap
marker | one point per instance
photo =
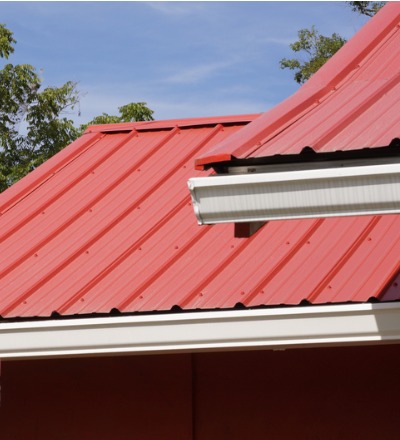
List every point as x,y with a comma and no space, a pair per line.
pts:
172,123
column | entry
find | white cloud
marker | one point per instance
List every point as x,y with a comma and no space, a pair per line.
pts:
278,41
176,8
195,74
170,106
198,107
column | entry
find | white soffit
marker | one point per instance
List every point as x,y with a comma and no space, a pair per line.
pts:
326,192
280,328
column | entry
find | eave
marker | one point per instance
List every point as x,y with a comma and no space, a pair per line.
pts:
277,328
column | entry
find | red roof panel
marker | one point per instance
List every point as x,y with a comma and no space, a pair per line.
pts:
349,104
108,224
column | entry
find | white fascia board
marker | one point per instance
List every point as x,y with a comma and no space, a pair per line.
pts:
281,328
327,192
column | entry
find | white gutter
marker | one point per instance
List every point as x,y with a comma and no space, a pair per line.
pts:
281,328
326,192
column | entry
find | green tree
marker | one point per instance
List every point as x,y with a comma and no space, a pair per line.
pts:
318,50
314,49
6,42
34,123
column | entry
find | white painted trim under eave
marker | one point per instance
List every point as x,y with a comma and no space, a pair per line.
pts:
278,328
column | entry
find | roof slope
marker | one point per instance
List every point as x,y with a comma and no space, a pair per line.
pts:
108,224
352,102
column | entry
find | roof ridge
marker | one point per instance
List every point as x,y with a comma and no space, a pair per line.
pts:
172,123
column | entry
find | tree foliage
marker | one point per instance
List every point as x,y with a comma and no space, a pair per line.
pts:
6,42
366,8
133,112
314,49
35,123
318,50
33,126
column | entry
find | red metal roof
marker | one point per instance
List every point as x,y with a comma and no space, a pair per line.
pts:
352,102
108,224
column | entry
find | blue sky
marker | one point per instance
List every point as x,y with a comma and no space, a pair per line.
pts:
185,59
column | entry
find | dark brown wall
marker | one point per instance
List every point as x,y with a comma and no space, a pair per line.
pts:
138,397
337,393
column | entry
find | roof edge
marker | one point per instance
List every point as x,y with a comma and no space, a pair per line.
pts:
347,59
19,190
276,329
171,123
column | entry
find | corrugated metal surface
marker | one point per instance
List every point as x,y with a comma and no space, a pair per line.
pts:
350,103
108,224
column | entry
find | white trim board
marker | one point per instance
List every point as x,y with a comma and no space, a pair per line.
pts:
325,192
280,328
